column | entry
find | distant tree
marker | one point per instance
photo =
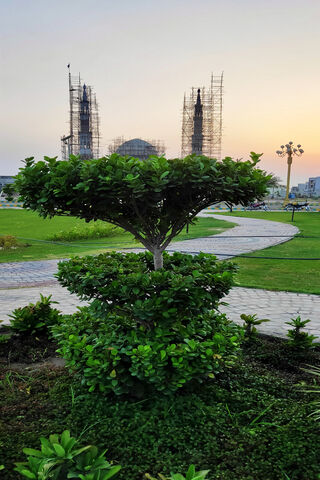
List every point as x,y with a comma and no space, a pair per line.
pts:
274,181
154,199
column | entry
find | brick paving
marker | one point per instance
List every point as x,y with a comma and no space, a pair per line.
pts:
21,283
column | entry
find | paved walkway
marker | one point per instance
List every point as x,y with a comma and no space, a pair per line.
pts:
279,307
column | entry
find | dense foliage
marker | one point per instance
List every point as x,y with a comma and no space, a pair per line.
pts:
147,327
113,355
250,424
98,229
8,241
153,199
127,284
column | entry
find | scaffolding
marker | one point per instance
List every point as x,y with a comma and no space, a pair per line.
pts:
137,147
84,137
211,135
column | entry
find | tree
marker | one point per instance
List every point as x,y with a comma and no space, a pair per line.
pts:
154,199
274,181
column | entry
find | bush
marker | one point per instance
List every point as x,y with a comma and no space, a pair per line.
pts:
8,241
147,327
115,355
128,285
34,318
97,229
300,343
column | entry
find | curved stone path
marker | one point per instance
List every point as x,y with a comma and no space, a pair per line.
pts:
249,235
279,307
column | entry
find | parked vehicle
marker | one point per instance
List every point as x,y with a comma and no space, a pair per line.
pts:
297,207
257,206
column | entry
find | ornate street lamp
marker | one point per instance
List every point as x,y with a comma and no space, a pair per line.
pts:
289,150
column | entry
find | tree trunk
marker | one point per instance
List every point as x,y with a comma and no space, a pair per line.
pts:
157,258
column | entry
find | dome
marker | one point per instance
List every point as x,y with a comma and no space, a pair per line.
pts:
137,148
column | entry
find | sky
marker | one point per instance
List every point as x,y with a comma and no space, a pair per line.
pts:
141,56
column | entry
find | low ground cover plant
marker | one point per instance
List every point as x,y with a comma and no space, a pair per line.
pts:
269,434
315,389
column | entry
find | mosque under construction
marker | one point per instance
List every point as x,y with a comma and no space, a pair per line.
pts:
201,124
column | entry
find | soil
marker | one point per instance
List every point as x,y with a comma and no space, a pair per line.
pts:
24,349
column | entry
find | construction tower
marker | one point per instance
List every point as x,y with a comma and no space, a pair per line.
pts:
83,138
202,120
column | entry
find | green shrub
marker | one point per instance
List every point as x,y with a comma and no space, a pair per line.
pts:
97,229
300,342
8,241
146,327
250,323
34,318
127,284
61,458
115,355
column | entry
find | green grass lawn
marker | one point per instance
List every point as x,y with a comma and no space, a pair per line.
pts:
290,275
34,230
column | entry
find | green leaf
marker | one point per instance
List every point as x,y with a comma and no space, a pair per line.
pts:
190,472
33,452
113,471
28,474
164,175
60,451
65,438
163,354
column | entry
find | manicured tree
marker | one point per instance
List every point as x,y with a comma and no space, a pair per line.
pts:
148,328
153,199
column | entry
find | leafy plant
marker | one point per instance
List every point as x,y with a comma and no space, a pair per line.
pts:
154,199
300,342
8,241
98,229
60,457
250,322
147,328
113,354
128,285
34,318
191,474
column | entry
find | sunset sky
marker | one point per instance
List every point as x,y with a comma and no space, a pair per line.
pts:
140,56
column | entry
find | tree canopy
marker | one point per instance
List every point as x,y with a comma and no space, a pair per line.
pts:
153,199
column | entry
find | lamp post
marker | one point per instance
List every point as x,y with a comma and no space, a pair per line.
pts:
289,150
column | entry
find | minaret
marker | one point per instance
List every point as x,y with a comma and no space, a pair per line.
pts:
85,137
197,137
